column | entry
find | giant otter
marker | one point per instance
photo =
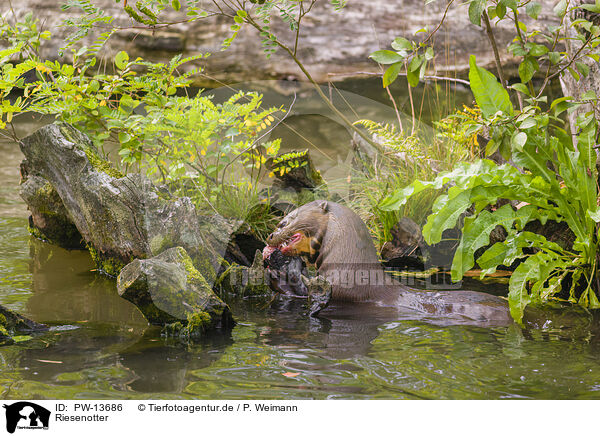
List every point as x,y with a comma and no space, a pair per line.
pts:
337,242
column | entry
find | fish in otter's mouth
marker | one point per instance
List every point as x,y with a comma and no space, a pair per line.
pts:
293,246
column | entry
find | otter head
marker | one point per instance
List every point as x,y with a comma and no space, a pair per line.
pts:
301,231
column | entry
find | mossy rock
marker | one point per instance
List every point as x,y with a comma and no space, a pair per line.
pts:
119,217
11,324
245,281
168,289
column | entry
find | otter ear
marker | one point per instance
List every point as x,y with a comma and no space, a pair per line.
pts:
323,205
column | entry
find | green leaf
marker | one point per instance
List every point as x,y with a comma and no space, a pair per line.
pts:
582,68
554,57
594,215
500,10
561,8
489,93
533,9
402,44
415,63
176,4
591,8
476,234
521,88
528,123
391,74
476,8
386,57
413,78
510,4
526,70
518,294
121,60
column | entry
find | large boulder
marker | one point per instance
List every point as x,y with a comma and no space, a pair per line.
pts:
168,289
334,45
120,217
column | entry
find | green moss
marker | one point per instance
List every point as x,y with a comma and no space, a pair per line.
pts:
102,165
3,326
192,273
107,264
37,233
160,243
196,325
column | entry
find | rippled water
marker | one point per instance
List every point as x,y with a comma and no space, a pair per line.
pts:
101,347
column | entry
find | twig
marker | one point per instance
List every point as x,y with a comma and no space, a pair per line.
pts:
371,73
490,34
440,23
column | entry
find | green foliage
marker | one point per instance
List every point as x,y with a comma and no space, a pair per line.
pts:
213,153
407,158
554,181
552,175
490,95
413,56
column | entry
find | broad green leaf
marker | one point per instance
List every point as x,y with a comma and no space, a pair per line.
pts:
489,93
402,44
476,8
589,7
476,234
518,294
582,68
519,140
500,10
386,57
521,88
554,57
492,258
391,74
510,4
413,78
528,123
526,70
415,63
561,8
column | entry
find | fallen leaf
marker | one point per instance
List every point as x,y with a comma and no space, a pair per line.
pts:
290,374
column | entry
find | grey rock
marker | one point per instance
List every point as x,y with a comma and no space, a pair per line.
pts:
168,289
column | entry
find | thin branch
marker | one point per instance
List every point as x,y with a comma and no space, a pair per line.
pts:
490,34
369,73
440,23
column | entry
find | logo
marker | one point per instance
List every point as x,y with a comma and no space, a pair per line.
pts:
26,415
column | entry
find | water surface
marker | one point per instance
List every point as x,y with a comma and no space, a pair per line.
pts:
101,347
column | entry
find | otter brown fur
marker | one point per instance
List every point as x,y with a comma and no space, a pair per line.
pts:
337,241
